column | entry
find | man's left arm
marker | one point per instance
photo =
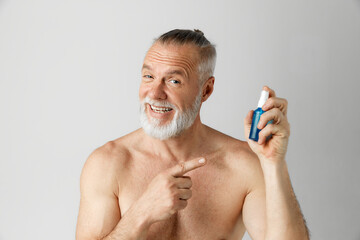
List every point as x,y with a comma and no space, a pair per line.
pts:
284,219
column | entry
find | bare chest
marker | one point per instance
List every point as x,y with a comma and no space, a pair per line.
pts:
213,211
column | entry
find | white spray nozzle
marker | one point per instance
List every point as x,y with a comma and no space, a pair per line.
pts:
264,96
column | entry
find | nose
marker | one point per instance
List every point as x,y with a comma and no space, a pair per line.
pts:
157,91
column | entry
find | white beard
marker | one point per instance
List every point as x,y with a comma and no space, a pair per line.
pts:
180,122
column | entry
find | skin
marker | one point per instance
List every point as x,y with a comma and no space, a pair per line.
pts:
138,187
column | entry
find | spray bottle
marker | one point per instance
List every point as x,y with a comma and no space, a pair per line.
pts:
254,131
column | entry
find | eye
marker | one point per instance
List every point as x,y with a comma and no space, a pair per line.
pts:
175,81
148,76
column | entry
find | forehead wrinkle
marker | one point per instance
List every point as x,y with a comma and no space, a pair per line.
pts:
180,71
176,60
183,70
186,59
173,60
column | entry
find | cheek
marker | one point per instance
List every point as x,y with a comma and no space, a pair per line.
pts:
194,94
142,91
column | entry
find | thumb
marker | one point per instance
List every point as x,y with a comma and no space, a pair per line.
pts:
247,123
184,167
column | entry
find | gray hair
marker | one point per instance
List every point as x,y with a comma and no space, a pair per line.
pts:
207,51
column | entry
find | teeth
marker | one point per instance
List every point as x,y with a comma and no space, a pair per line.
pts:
160,109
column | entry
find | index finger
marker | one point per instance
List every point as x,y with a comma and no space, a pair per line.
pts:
185,167
271,92
275,102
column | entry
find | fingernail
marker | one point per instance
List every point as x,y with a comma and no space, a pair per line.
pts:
202,160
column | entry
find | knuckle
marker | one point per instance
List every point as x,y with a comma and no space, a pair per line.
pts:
270,101
171,203
172,199
169,184
174,195
277,115
263,118
190,183
187,178
277,111
286,102
262,134
181,167
175,198
270,128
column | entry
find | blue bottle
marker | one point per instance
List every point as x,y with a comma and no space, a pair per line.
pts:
254,131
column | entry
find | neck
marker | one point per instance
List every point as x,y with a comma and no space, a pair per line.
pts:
180,148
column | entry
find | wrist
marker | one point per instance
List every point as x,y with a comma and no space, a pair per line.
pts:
140,220
133,225
273,166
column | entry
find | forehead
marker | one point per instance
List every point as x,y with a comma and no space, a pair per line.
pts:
181,56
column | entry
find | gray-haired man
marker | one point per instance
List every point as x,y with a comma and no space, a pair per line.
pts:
176,178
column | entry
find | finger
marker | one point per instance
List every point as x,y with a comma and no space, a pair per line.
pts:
185,167
181,204
271,129
247,123
183,182
271,92
184,194
274,114
267,131
275,102
248,118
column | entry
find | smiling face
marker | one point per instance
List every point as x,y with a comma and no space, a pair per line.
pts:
170,93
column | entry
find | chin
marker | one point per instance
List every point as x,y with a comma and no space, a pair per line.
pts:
180,121
156,129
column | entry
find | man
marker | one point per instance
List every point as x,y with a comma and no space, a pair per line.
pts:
176,178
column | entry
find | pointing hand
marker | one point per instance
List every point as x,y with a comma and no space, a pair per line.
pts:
169,191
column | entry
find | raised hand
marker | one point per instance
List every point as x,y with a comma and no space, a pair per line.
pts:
275,148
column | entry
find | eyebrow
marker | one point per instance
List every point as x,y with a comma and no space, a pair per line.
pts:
176,72
146,67
171,72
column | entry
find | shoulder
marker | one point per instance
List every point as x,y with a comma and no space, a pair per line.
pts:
106,164
114,153
111,154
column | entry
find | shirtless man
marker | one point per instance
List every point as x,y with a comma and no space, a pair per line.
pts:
176,178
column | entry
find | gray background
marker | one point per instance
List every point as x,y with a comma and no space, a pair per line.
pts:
69,78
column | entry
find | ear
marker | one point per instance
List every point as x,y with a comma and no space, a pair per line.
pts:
208,88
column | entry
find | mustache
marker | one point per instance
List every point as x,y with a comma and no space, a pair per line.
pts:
163,103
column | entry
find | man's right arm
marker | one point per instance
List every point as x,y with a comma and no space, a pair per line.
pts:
99,213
